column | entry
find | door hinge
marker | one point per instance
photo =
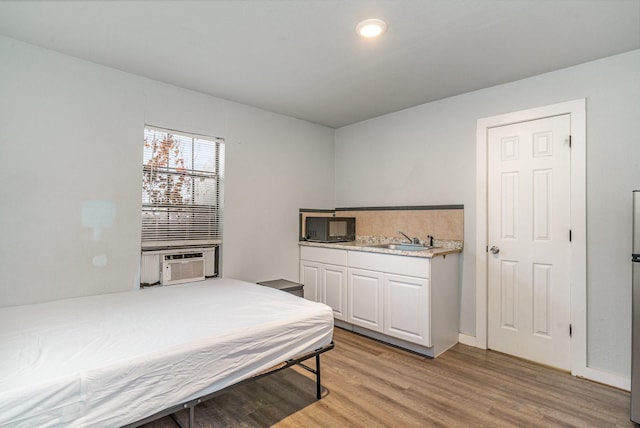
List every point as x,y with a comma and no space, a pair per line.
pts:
569,141
570,331
569,235
487,249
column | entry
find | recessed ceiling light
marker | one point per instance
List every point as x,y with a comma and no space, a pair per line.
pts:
370,28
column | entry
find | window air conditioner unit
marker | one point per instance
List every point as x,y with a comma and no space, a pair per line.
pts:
185,267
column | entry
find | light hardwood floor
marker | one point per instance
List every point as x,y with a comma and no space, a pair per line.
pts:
371,384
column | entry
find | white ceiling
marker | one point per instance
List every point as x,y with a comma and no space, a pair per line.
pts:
302,58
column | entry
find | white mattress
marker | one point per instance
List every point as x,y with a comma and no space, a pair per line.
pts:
114,359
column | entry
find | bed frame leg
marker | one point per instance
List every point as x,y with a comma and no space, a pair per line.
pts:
191,417
318,383
176,421
192,404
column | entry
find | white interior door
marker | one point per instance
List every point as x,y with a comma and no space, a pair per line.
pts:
529,240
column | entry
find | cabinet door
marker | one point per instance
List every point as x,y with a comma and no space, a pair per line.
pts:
365,298
407,312
335,290
311,279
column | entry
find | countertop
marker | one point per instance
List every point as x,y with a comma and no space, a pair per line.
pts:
442,248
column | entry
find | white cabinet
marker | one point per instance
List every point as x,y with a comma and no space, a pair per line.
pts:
403,286
323,273
407,310
408,301
310,273
365,295
334,289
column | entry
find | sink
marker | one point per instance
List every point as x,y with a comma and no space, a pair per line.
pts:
401,247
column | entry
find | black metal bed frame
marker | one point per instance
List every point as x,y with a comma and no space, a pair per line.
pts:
191,404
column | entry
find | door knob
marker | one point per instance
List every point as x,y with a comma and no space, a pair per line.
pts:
494,250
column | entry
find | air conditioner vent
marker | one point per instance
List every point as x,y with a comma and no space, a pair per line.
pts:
182,267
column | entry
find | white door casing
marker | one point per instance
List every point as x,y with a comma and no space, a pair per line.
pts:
578,261
528,234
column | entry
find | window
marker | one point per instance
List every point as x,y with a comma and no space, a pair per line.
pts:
182,189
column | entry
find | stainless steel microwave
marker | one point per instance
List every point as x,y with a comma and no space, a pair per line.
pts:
330,229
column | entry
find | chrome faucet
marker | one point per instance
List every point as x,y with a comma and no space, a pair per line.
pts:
411,240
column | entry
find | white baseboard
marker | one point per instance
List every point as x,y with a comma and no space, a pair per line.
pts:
594,375
465,339
606,378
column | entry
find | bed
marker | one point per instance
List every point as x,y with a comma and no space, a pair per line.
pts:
114,359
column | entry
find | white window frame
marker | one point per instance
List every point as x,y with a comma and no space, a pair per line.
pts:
156,242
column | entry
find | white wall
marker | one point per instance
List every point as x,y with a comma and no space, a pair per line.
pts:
71,131
426,155
275,166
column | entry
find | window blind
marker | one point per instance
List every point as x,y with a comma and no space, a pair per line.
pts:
182,189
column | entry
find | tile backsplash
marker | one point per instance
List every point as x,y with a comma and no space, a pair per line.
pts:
441,222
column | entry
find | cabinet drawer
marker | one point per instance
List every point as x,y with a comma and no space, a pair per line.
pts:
390,263
324,255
